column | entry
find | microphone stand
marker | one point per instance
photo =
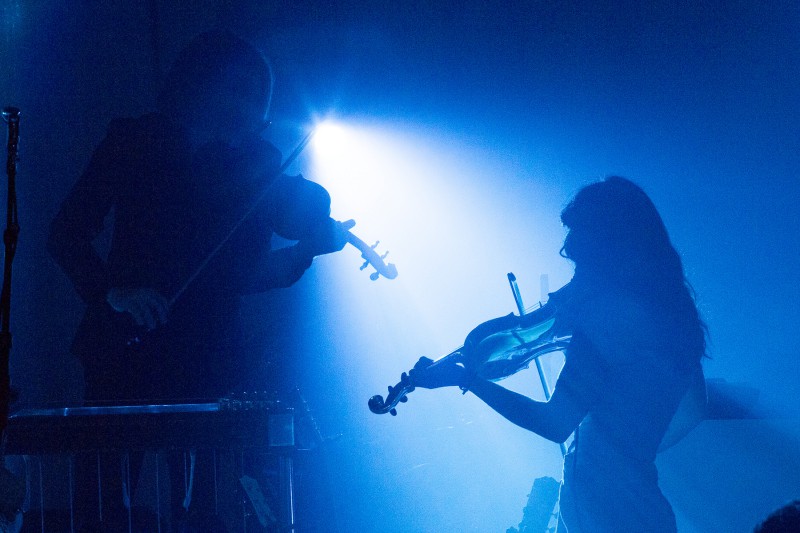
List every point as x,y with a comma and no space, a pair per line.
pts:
10,117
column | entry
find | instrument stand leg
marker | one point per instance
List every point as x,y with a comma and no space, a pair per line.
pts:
127,489
286,469
41,492
71,482
158,490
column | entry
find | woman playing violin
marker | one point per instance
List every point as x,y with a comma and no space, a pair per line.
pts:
634,358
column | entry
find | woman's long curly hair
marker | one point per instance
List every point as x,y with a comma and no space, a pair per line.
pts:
617,236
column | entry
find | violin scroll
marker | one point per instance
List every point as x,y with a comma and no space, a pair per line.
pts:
371,257
397,394
429,374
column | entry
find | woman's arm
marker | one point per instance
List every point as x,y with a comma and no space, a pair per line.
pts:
577,388
554,420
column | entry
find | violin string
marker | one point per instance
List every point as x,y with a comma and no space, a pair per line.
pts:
534,307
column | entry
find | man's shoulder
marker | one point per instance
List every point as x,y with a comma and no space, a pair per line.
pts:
145,140
149,125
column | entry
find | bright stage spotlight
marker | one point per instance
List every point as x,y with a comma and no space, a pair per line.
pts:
351,162
329,138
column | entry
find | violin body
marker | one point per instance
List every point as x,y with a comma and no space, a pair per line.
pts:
497,348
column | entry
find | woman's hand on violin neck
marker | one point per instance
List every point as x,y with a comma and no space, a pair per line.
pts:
427,375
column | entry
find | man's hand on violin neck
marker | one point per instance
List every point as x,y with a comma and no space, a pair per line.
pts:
427,375
329,237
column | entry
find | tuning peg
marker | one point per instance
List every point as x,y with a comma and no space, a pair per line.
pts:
393,412
374,276
375,245
365,265
385,254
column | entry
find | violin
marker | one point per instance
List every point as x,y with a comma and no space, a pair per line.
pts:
497,348
291,230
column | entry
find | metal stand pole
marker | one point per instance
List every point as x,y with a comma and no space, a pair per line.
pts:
512,280
286,468
10,237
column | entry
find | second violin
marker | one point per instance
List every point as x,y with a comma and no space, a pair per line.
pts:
497,348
